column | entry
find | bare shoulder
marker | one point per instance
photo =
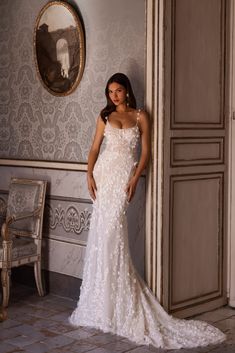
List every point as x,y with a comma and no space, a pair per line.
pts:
143,117
100,125
100,120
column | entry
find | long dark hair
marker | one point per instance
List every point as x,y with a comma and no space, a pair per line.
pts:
123,80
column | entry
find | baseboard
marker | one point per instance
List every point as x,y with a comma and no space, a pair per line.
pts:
53,282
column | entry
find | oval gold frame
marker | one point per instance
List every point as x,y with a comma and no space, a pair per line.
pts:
81,48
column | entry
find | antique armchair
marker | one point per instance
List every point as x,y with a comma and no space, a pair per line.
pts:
21,234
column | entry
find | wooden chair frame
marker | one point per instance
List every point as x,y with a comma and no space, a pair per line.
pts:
8,233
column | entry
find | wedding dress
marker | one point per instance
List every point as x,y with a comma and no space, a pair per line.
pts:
113,296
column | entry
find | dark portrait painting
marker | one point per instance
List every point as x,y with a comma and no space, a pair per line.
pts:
59,48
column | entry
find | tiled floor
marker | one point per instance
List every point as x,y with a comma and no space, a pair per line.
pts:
39,325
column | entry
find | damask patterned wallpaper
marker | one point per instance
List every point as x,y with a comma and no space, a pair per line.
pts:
34,125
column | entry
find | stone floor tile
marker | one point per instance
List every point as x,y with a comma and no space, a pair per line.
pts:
216,315
9,323
79,334
228,327
130,343
39,347
226,311
226,324
61,317
28,330
26,319
30,310
32,299
65,302
79,347
101,350
120,346
59,341
62,328
8,333
41,312
153,349
92,330
6,347
206,349
46,333
60,301
141,349
102,339
231,338
224,349
184,350
51,305
44,323
21,341
15,310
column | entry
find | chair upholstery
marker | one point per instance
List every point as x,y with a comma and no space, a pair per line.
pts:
21,234
20,248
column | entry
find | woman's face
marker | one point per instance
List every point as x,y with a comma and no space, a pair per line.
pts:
117,93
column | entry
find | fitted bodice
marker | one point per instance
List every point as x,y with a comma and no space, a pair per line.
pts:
116,163
122,141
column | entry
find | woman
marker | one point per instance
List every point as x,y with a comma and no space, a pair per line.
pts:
113,297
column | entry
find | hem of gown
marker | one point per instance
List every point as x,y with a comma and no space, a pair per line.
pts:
146,341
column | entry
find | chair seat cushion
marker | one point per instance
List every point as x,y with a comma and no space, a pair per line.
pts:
21,247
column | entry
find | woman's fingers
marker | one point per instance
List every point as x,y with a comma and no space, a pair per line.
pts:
130,189
94,185
92,189
92,193
130,193
127,188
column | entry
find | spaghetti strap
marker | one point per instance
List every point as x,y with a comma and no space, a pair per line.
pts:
138,116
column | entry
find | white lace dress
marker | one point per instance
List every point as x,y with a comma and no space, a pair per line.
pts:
113,296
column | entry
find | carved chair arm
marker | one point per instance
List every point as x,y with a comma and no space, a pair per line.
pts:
14,218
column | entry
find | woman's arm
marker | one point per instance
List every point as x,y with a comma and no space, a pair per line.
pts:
93,155
144,125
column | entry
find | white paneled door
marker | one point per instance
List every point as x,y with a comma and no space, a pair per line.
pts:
195,156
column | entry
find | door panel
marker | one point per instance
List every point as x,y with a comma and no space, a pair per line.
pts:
195,156
197,68
197,151
199,256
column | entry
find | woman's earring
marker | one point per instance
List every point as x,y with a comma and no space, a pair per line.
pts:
127,99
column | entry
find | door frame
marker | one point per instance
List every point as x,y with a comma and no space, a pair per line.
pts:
154,178
231,164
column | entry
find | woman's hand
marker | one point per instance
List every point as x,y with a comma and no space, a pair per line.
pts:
91,186
130,189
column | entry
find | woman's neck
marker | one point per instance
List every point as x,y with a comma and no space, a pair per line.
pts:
122,108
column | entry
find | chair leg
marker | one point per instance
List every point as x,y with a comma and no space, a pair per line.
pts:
6,291
38,277
5,276
3,314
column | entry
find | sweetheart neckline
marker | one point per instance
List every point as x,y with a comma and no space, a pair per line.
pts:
126,128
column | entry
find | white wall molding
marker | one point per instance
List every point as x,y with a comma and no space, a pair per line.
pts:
44,164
